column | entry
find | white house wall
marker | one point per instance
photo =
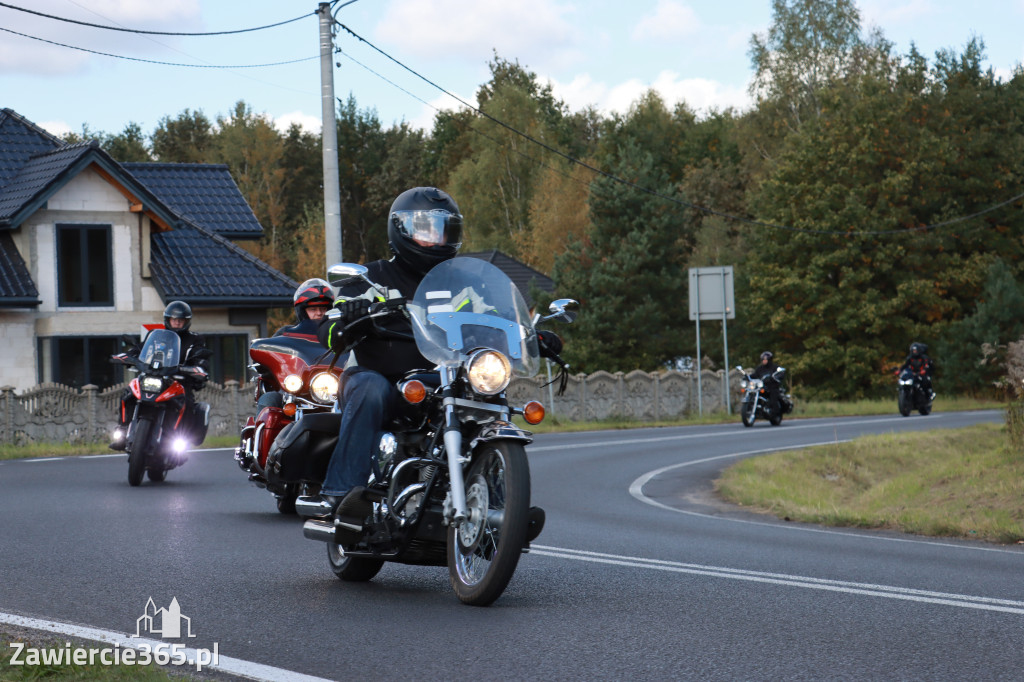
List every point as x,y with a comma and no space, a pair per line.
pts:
17,338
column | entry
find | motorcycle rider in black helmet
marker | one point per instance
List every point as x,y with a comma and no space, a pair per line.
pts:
921,365
765,372
312,299
424,229
177,318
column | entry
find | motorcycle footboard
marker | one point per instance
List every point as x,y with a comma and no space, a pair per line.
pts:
303,449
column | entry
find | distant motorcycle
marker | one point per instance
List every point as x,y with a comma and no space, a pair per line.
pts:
755,403
293,378
912,393
161,429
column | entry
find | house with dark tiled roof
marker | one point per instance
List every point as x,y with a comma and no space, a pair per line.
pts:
521,274
91,249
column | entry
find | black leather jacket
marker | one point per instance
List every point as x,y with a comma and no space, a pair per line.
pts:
391,357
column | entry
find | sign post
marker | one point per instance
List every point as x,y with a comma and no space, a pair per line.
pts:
711,298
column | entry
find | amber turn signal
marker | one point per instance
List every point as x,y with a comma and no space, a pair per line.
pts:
414,391
533,412
290,409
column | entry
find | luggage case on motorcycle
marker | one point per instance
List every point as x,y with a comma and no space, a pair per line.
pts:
303,449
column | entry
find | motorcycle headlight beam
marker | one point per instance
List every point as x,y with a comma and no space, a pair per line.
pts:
293,383
489,371
152,384
324,387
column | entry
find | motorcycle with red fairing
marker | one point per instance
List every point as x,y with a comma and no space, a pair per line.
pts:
293,376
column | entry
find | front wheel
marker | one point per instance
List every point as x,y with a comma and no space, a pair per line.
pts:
747,413
137,452
484,550
904,403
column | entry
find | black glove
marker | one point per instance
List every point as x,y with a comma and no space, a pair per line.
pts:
549,343
350,311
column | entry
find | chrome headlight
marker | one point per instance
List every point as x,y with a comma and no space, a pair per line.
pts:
293,383
324,387
489,371
756,385
152,384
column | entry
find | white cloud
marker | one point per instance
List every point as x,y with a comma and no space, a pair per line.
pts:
439,29
31,53
700,94
669,21
58,128
309,124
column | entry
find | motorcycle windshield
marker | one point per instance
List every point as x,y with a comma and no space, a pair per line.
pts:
162,346
466,303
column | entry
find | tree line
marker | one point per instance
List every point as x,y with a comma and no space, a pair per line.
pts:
864,201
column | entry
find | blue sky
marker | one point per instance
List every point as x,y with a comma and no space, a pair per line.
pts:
596,53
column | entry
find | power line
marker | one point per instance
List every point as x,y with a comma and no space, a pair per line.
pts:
157,33
680,202
153,61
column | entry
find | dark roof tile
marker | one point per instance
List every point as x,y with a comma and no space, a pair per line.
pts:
16,285
206,194
200,267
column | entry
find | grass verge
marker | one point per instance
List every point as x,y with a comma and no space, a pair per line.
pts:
966,483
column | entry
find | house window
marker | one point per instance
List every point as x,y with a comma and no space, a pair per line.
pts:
230,357
79,360
85,274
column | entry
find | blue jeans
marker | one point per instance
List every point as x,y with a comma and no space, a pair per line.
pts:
368,403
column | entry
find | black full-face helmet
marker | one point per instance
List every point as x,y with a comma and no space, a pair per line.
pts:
311,292
918,349
424,228
178,310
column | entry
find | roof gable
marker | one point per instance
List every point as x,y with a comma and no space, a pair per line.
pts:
20,140
204,193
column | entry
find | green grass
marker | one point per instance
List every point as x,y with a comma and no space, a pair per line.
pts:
965,483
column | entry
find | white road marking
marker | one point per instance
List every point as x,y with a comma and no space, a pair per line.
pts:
867,589
732,433
636,490
234,666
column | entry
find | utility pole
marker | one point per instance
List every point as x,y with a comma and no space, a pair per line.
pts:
329,135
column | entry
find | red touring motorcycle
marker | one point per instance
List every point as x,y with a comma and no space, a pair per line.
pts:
292,378
451,481
161,428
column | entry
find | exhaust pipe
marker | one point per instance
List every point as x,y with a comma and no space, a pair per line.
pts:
315,529
312,507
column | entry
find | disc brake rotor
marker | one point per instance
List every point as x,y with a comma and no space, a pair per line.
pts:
473,528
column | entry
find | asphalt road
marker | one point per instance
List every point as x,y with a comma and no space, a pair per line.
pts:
639,574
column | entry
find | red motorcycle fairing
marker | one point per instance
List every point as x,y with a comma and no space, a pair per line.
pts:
172,391
279,363
269,423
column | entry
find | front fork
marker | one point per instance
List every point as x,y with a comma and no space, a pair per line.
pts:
453,447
